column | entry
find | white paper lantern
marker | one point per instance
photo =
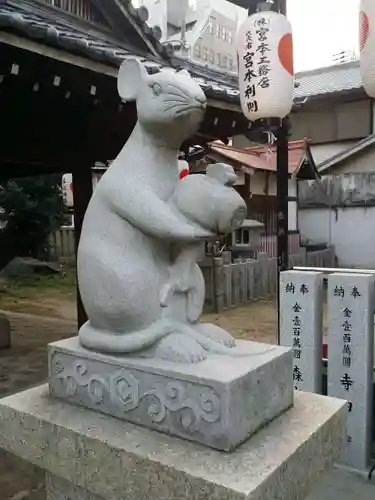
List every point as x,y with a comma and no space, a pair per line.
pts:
265,66
367,45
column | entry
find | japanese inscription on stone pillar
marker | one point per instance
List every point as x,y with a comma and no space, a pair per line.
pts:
350,358
301,326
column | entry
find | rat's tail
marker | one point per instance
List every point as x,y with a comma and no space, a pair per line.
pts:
106,342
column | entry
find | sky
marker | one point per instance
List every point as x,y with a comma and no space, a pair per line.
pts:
321,28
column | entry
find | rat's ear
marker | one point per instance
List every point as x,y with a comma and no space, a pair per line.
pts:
184,72
129,79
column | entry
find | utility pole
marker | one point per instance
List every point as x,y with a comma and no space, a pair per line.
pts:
282,143
282,148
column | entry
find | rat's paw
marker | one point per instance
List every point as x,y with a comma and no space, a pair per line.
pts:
180,349
216,333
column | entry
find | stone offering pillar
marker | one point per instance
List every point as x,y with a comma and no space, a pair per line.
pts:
350,359
301,326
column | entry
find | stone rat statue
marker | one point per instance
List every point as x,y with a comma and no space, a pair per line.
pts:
221,210
133,232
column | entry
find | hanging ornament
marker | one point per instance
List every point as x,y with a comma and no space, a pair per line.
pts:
265,66
367,45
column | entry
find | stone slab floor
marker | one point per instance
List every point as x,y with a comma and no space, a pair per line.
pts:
342,486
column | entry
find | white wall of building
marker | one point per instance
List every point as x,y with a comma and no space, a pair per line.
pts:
351,230
292,216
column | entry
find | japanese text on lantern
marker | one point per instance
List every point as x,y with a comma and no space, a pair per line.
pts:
346,325
256,62
297,325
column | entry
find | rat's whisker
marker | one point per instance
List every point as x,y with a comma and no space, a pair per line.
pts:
167,101
177,95
185,108
174,106
179,92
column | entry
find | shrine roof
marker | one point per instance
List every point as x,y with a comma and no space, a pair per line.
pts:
102,46
64,30
264,157
60,30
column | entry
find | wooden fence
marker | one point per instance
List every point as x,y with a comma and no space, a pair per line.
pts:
232,284
268,244
62,244
227,284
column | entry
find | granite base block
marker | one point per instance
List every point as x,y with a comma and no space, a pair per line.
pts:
59,489
100,457
219,402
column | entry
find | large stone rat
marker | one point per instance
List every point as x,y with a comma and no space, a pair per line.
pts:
131,227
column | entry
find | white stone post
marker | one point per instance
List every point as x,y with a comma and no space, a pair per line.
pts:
350,359
301,326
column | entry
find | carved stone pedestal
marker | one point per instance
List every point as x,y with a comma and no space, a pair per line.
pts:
91,456
219,402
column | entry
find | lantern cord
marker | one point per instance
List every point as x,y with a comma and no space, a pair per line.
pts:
271,138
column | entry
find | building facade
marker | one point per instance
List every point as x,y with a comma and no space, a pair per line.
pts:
215,44
204,31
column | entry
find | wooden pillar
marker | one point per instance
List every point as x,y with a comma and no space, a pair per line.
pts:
82,192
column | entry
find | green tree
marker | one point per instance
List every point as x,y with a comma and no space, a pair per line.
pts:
30,209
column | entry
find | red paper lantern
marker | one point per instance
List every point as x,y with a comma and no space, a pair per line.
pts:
367,45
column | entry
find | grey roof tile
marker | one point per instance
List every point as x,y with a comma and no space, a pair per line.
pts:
98,48
216,84
327,165
337,78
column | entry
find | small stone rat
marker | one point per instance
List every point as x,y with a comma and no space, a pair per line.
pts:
221,210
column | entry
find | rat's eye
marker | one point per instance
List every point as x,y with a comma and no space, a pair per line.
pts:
156,89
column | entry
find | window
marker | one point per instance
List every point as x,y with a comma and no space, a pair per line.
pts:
212,57
230,36
82,8
243,237
230,64
197,50
225,61
224,33
204,53
211,26
218,59
218,30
